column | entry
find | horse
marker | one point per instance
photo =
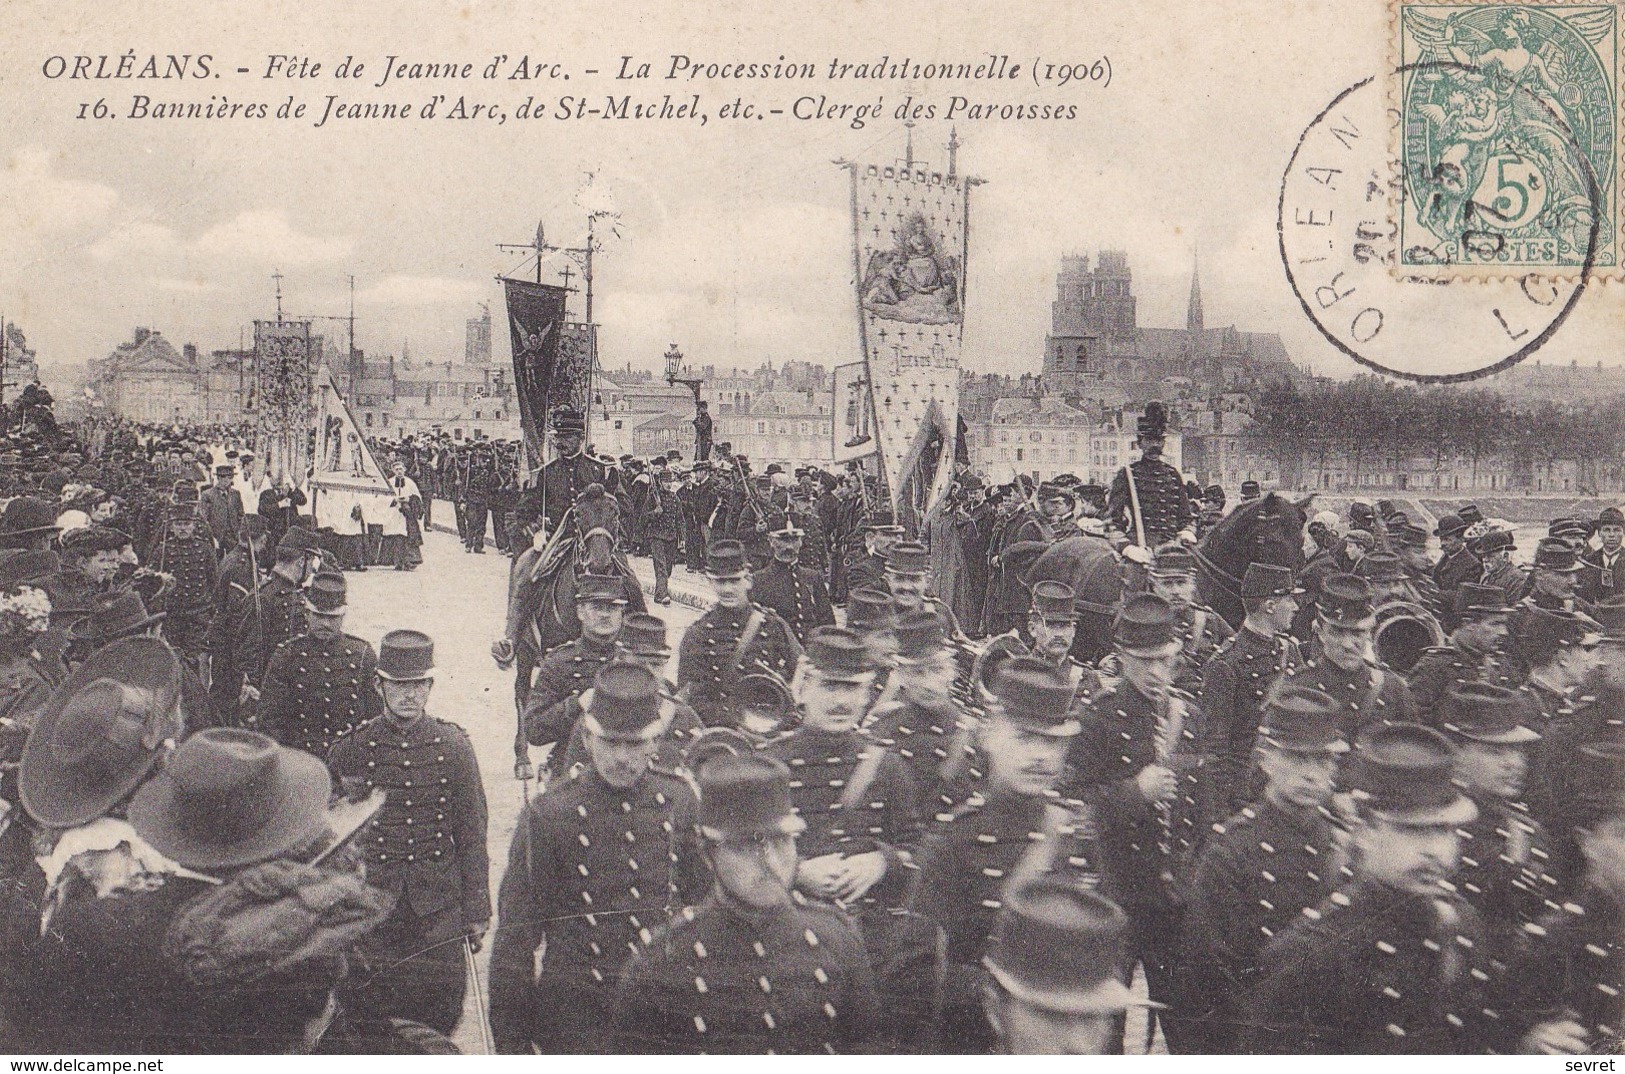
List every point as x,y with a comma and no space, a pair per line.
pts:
1090,566
1269,530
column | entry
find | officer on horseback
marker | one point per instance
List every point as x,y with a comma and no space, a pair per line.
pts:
571,471
1148,501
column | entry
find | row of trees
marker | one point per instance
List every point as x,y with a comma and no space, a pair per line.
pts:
1370,422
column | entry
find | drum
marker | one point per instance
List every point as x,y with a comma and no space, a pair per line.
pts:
1403,632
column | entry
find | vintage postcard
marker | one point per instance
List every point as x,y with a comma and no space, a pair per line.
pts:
882,529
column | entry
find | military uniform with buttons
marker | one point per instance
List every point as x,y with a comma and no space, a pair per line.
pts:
426,847
922,733
1271,864
189,598
1235,684
1380,968
723,977
594,871
999,835
275,615
317,691
1159,490
1447,667
707,670
798,595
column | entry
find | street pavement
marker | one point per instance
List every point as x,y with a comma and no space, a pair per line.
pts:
460,599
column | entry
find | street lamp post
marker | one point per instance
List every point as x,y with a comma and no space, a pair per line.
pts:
702,420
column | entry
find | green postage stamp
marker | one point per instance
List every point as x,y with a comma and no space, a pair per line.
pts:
1508,139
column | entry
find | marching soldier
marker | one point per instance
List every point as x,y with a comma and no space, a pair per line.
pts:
554,702
277,612
1014,828
858,801
1236,682
880,533
1052,986
1393,963
596,866
1267,866
1201,629
1476,652
1506,862
320,684
1602,572
732,640
482,484
189,558
908,579
751,969
1134,761
1148,502
1345,666
922,725
1563,985
426,847
796,594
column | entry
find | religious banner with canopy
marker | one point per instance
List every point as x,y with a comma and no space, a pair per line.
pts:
910,230
349,488
552,359
282,402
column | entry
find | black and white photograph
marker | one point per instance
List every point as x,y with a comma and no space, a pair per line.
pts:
635,528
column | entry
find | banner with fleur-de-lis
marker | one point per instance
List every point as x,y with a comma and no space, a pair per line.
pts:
910,229
283,398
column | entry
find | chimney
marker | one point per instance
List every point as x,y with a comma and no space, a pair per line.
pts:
189,352
142,335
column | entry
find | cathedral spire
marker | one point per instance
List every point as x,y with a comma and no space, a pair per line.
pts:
1193,312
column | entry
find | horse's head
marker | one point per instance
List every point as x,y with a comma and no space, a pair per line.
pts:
1269,530
598,529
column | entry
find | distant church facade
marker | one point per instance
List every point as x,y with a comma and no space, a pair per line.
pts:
1098,350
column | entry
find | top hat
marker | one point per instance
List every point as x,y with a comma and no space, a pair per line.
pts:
1036,695
1267,580
1402,772
1598,783
406,656
601,589
838,655
1057,946
1146,627
624,703
1345,601
919,635
1054,602
1450,526
28,516
643,635
1172,557
567,420
870,609
1611,516
1476,601
229,798
726,559
26,566
1298,719
1555,554
327,593
1381,567
1154,422
117,616
746,799
908,558
1251,490
1483,712
100,732
1494,541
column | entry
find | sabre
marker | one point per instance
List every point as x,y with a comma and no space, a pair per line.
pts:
486,1039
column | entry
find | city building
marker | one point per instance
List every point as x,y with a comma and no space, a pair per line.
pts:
1097,350
1045,437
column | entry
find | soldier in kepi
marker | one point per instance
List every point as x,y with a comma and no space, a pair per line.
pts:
320,684
1202,630
1148,502
426,846
734,639
563,479
750,969
1052,985
596,866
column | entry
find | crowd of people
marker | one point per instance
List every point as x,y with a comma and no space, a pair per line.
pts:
892,792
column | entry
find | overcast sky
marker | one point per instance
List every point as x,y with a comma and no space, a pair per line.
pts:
734,239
